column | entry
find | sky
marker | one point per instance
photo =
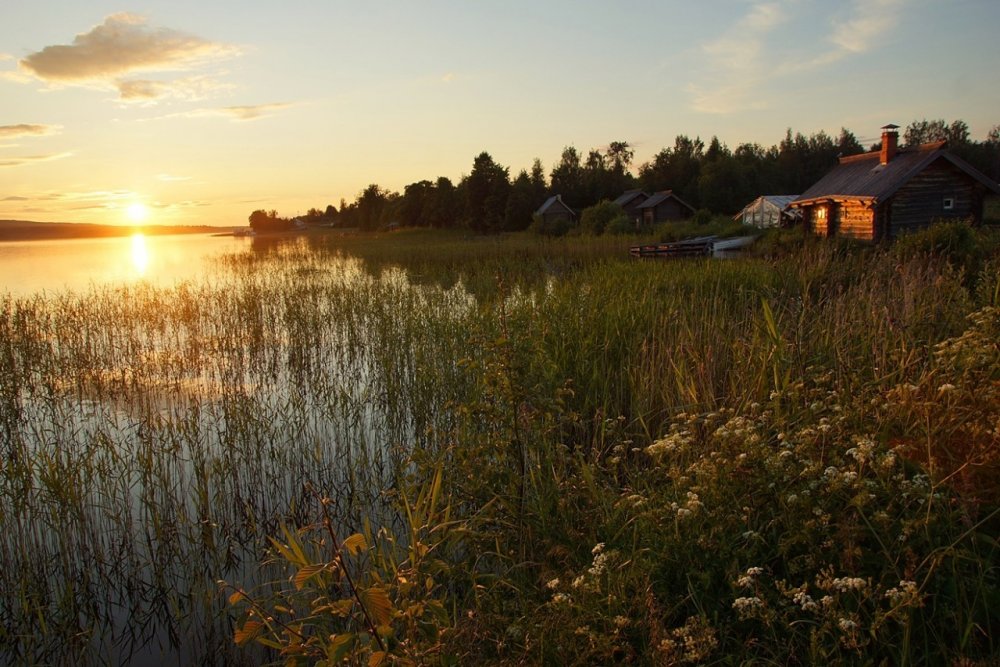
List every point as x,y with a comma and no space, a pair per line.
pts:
181,112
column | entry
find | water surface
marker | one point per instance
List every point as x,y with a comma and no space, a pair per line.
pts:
28,267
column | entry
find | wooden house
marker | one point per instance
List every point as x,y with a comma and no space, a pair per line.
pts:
664,206
555,210
769,211
881,194
630,201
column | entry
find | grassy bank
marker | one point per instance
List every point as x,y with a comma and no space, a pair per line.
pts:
426,448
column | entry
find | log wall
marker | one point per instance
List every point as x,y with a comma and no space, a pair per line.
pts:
920,202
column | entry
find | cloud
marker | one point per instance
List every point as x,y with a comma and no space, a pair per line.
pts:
237,113
108,54
748,58
169,178
27,130
870,20
15,199
31,159
736,61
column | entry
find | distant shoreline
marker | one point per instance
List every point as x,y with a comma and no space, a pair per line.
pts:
24,230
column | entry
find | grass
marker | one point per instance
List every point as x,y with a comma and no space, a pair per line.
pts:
420,446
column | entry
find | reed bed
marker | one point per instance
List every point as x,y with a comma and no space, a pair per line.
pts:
481,413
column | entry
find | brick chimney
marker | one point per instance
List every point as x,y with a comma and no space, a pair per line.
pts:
890,143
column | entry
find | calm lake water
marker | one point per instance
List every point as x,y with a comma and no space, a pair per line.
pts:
27,267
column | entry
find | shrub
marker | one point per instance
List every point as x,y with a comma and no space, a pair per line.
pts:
595,219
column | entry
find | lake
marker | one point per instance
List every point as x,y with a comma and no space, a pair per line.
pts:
168,403
28,267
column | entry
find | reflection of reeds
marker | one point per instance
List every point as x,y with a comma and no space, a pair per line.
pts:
153,438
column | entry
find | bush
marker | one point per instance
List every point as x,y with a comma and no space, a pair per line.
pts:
595,219
551,227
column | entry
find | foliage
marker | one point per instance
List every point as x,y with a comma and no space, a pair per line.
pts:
597,218
373,598
551,225
957,242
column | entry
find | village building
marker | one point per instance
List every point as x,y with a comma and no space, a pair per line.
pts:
769,211
885,193
555,210
664,206
630,201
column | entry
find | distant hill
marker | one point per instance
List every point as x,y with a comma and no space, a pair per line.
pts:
24,230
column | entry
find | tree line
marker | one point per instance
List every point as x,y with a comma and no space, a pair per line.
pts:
713,178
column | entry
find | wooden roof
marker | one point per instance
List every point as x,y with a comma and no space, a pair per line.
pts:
663,196
554,202
863,177
629,195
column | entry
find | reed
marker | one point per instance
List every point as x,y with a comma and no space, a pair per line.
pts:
502,402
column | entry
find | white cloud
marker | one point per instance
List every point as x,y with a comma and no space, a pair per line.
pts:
735,61
870,19
108,55
170,178
747,58
235,113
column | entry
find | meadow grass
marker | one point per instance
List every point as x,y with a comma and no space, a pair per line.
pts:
420,447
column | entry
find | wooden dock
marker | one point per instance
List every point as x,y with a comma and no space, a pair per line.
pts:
701,246
696,247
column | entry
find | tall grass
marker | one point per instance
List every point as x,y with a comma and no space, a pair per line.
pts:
497,407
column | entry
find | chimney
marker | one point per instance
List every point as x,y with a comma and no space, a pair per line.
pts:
890,143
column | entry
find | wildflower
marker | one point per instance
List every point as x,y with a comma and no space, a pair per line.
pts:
560,598
845,584
805,601
906,593
847,625
578,582
945,388
553,584
746,607
621,621
598,548
599,565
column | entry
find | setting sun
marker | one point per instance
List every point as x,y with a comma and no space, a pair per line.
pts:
137,212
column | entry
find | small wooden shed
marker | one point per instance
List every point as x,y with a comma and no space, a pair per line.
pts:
555,210
879,195
664,206
630,200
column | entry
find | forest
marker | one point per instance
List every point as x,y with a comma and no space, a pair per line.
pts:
714,178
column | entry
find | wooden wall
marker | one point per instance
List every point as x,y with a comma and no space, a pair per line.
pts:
920,202
855,220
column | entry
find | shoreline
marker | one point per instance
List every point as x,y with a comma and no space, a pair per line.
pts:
24,230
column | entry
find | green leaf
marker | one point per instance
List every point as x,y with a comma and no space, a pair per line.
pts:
339,646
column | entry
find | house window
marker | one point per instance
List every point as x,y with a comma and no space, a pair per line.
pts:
821,214
949,203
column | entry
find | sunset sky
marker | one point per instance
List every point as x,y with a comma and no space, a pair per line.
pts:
203,111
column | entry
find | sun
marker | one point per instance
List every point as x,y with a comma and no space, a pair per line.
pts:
137,212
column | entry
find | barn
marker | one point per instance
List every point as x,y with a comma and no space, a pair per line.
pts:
882,194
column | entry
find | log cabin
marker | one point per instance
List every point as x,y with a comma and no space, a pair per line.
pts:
555,209
630,201
664,206
879,195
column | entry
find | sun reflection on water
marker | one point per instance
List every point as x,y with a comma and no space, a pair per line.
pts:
140,253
